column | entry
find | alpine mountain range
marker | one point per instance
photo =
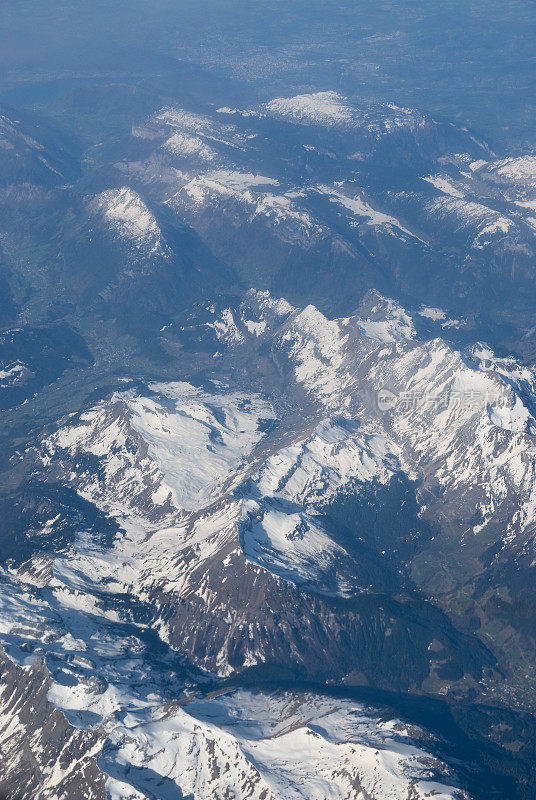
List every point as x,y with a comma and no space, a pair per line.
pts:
268,392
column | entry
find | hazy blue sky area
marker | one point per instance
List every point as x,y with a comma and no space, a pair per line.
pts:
471,60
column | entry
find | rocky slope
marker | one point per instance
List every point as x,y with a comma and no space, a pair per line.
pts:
42,755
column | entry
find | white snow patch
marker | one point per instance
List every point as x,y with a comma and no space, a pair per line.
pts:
323,108
284,745
239,180
182,144
444,185
435,314
226,328
128,215
360,208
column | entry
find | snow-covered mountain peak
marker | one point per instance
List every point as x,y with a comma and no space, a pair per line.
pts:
465,413
321,108
330,109
520,171
191,135
384,319
183,144
172,448
259,311
225,183
128,216
282,745
324,354
246,196
314,345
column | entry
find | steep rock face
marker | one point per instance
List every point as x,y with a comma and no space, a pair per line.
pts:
41,755
255,621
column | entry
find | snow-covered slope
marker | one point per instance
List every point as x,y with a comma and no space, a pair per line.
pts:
119,684
385,195
42,755
175,448
243,744
243,195
225,499
283,528
376,401
361,210
491,201
464,413
332,110
243,536
128,217
323,108
280,746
